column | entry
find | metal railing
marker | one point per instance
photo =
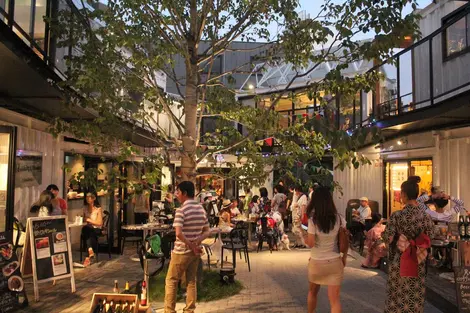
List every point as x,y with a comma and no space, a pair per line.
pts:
423,75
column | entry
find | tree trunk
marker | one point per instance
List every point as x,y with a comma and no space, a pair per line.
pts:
188,160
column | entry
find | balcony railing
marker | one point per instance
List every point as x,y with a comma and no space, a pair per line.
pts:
421,75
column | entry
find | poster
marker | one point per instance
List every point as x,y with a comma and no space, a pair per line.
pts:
42,246
11,283
60,241
28,169
58,264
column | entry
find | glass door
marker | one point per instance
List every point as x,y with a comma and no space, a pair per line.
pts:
397,172
7,159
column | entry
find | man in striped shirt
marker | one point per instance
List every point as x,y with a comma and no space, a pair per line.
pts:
192,227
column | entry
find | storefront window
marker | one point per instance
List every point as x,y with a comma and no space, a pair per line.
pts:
398,172
4,175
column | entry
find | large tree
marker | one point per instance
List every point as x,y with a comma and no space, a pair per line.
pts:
119,52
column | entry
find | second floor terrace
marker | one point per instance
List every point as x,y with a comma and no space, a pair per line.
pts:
33,64
424,86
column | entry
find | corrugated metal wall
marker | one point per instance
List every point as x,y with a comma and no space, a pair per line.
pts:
454,167
365,181
52,161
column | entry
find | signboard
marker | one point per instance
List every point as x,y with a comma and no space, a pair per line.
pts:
28,169
462,286
12,287
48,251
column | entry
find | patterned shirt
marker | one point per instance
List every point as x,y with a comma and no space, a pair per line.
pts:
192,218
446,216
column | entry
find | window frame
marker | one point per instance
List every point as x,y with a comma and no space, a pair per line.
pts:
447,22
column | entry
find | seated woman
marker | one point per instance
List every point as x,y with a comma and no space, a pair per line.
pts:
43,207
254,205
224,217
375,245
93,216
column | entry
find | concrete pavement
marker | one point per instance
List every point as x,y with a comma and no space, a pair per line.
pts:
278,283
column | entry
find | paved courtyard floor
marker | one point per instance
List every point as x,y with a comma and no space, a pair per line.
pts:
277,283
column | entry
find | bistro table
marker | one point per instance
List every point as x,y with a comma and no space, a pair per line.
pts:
249,221
146,228
72,226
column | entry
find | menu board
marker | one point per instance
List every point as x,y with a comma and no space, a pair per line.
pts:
462,286
50,246
48,251
13,295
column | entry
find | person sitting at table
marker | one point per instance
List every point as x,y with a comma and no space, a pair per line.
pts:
234,210
375,245
141,202
361,219
440,201
254,205
224,220
43,207
93,216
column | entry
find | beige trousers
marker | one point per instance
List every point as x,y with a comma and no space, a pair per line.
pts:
181,265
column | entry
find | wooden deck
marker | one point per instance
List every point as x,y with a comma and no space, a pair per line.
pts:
98,277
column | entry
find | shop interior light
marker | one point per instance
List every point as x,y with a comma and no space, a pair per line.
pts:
400,167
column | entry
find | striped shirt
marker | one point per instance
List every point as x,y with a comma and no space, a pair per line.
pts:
447,215
192,218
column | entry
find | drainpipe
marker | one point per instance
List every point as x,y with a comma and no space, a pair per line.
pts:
436,160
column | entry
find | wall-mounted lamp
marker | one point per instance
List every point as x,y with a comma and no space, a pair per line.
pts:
402,141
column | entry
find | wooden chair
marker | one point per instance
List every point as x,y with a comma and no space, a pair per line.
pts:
103,235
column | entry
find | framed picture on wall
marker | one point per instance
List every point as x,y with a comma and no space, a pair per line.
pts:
28,168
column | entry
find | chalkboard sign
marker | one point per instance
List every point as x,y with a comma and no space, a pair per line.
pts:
12,289
48,249
462,286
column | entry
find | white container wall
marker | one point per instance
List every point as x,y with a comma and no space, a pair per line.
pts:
366,181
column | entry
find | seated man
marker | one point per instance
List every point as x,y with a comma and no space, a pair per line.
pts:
440,201
361,219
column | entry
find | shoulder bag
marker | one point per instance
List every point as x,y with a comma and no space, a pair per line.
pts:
343,241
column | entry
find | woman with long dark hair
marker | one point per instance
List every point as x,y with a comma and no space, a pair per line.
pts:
326,264
405,285
43,207
93,216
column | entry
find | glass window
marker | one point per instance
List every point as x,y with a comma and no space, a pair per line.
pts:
4,171
456,36
39,24
23,14
4,7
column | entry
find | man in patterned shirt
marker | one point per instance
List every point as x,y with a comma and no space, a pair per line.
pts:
191,228
441,200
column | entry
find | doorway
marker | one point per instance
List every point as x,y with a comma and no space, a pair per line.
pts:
396,172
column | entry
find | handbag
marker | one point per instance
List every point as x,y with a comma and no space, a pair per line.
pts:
343,241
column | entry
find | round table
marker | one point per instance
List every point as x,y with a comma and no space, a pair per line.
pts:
146,228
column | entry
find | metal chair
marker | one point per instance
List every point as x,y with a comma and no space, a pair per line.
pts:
266,235
238,242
